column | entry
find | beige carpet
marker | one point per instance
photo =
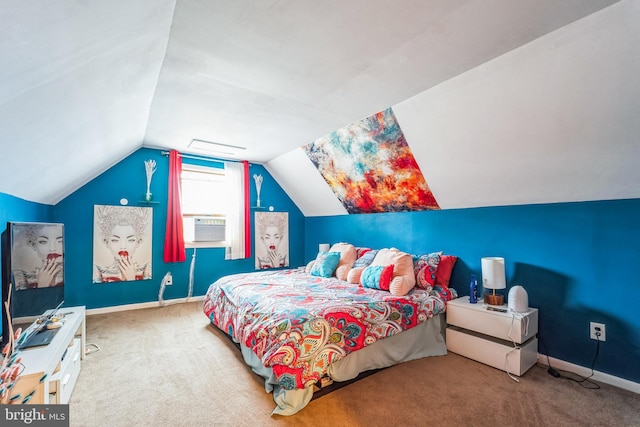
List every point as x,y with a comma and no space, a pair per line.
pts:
167,367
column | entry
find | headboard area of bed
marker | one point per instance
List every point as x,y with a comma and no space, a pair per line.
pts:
387,269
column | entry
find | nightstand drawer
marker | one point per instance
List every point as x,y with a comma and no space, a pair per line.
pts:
517,327
492,351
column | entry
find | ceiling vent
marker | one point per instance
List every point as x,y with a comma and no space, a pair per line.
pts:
216,148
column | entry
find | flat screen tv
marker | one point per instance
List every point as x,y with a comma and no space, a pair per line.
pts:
32,269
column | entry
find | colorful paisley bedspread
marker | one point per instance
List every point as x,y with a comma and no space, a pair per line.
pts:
298,324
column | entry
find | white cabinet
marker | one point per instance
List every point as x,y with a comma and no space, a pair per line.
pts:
503,339
59,361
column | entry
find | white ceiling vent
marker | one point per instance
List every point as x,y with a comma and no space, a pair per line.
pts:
216,148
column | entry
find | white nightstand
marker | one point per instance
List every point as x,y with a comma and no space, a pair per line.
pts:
504,340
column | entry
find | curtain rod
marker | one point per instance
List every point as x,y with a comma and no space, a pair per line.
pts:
208,159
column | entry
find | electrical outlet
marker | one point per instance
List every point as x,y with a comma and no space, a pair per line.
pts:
598,328
168,279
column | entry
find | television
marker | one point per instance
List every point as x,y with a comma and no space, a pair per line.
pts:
32,271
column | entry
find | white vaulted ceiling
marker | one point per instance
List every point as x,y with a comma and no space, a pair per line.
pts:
83,84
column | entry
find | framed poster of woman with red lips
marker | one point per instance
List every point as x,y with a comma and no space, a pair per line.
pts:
32,270
272,241
37,255
121,243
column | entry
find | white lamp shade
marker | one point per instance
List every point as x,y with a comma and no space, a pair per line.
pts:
324,247
493,276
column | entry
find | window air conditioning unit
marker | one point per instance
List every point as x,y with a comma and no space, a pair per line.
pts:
207,229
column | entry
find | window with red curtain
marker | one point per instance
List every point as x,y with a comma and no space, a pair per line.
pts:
174,250
238,214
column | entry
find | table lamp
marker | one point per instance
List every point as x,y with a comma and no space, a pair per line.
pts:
493,277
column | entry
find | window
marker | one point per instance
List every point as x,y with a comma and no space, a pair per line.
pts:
204,197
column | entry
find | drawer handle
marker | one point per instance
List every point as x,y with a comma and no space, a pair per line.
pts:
66,379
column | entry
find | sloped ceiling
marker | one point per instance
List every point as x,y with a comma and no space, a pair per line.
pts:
83,84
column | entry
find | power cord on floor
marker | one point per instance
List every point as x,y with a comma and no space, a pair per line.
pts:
88,350
584,382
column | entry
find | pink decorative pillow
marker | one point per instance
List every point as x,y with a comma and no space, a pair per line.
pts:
309,266
443,274
404,278
348,256
354,274
377,277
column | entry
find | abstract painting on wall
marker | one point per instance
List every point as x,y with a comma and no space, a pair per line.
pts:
370,167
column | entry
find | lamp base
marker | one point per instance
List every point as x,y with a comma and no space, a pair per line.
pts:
494,299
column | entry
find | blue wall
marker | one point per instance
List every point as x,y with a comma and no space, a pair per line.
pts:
14,209
578,261
127,179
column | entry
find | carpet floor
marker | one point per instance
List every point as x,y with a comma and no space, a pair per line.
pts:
167,366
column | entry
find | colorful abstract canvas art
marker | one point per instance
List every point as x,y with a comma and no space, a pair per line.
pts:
370,167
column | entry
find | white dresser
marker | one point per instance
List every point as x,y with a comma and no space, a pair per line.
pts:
503,339
59,361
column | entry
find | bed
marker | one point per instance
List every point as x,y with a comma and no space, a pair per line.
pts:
295,328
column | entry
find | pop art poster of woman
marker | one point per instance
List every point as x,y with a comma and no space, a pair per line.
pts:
272,241
37,255
121,243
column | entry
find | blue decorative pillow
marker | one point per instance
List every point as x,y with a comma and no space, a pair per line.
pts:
366,259
377,277
325,264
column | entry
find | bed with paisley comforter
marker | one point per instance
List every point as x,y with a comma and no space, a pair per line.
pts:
294,328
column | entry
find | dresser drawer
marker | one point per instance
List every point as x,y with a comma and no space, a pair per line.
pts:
65,378
517,327
492,351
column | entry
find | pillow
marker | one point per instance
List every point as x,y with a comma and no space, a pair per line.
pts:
325,264
404,278
308,267
425,268
361,251
377,277
446,294
365,259
354,274
443,274
348,256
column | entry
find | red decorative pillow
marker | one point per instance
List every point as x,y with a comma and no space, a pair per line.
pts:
445,267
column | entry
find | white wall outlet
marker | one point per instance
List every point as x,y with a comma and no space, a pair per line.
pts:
598,331
168,279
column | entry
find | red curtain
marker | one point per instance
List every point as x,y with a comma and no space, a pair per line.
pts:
174,238
247,211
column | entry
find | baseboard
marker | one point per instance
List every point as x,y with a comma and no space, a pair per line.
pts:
150,304
585,372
